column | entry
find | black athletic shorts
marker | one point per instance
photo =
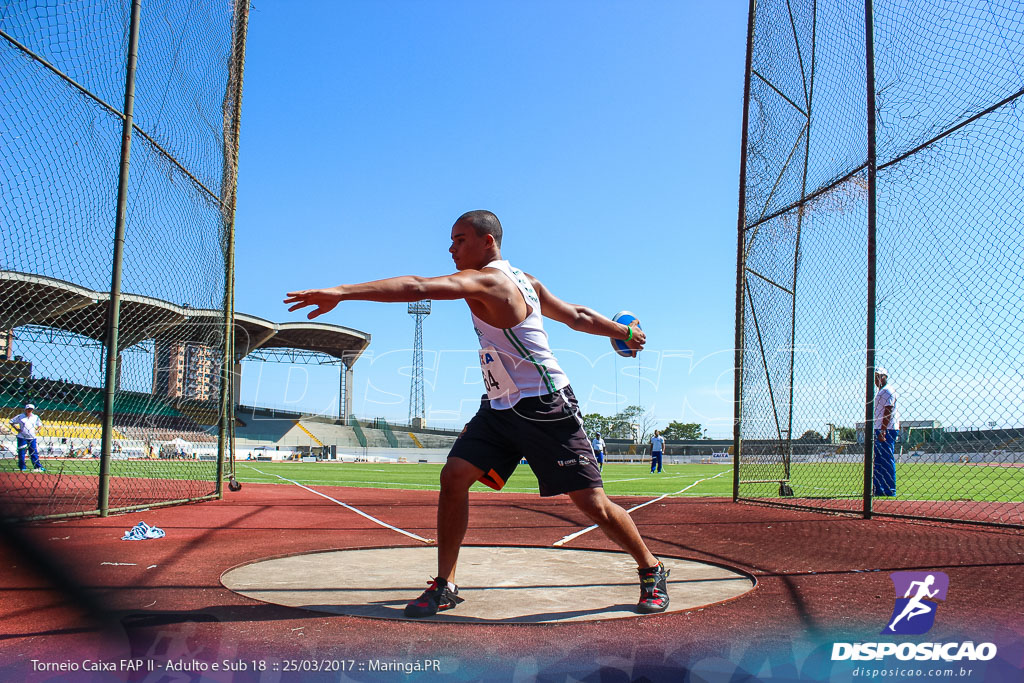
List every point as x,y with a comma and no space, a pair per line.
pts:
545,430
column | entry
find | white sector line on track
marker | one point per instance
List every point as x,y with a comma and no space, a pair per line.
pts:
347,507
654,500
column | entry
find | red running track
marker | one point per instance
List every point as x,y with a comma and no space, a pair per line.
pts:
821,578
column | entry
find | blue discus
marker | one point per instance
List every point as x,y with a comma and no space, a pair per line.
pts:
625,318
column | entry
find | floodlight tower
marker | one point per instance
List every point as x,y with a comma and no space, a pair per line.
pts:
419,309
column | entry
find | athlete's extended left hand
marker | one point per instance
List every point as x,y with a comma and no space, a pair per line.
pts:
324,299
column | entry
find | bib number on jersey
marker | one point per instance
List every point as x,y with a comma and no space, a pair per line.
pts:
496,378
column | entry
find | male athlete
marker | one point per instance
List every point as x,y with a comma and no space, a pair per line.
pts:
529,411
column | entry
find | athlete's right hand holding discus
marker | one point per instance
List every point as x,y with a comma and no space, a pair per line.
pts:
638,338
631,341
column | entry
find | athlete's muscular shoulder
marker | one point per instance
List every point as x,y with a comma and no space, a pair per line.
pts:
502,305
468,284
488,285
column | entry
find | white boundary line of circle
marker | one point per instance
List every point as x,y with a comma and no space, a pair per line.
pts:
570,537
347,507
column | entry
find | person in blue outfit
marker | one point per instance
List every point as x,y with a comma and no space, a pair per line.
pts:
598,445
657,449
887,431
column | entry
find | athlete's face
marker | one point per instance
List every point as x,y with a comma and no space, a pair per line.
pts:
469,250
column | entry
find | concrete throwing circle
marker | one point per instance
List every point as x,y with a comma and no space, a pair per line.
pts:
500,584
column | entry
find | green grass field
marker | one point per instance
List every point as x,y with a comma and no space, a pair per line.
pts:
620,479
915,481
926,481
141,469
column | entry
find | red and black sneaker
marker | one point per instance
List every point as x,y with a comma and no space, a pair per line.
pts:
440,596
653,589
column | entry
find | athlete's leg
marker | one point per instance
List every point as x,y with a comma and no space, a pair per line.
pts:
457,477
615,522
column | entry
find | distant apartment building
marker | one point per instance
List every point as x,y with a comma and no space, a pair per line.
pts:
14,371
6,344
186,370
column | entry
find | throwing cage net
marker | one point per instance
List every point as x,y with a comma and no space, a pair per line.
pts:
881,226
118,154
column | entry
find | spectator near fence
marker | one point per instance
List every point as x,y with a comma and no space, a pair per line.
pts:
598,444
657,449
28,425
887,426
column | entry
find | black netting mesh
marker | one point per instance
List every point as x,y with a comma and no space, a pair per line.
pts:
62,80
948,311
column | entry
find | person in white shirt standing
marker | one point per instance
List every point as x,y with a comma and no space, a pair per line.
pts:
597,443
27,425
657,449
887,430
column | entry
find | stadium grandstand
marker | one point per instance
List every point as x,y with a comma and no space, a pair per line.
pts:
178,416
269,434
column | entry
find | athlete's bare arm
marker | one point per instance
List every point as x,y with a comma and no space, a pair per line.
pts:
583,319
472,285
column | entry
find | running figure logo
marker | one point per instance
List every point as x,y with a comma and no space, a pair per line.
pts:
914,612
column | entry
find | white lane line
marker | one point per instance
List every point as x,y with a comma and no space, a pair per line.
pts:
655,500
647,478
347,507
334,482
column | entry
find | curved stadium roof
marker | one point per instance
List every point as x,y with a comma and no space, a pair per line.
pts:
27,299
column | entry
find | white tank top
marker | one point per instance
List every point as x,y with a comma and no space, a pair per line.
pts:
517,362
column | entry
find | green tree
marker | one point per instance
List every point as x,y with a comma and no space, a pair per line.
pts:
678,431
847,434
636,422
811,435
621,425
595,423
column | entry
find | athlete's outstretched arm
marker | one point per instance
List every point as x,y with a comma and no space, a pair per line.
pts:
465,284
583,319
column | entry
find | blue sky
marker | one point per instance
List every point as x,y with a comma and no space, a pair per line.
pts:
604,135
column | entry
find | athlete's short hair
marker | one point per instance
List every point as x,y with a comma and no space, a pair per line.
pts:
484,223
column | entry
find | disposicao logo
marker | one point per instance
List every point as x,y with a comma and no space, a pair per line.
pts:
917,594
